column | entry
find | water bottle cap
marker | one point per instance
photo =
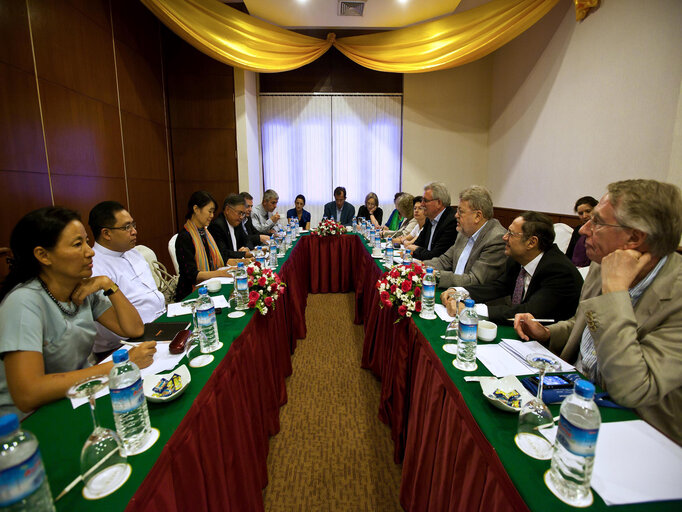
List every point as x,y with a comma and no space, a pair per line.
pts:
259,247
240,264
584,388
8,424
469,303
429,270
120,355
203,290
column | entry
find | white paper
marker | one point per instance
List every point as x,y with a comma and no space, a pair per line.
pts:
634,463
223,280
442,313
500,362
163,360
178,309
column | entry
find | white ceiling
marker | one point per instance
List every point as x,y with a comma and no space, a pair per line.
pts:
377,13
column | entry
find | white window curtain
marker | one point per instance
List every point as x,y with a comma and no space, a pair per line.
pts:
313,143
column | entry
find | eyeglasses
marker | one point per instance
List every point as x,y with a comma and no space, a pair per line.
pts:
597,224
464,212
128,227
428,200
241,214
511,234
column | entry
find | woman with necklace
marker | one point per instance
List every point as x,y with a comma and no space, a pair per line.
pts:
50,303
197,253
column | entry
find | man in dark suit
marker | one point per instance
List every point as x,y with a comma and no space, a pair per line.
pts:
339,210
227,230
440,228
538,278
254,238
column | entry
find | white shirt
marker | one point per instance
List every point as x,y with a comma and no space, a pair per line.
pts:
131,272
530,267
466,252
230,230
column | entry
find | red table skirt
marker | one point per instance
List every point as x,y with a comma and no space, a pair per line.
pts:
216,459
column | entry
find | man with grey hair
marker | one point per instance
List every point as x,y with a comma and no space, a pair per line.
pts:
477,255
253,236
625,335
440,229
263,215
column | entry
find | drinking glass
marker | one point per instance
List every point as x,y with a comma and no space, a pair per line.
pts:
195,339
103,461
535,415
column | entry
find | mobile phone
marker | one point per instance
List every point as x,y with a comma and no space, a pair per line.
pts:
552,382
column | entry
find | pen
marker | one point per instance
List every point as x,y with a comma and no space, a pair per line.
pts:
539,320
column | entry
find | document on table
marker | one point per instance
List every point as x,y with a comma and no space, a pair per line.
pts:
163,360
179,309
634,463
509,357
442,313
223,280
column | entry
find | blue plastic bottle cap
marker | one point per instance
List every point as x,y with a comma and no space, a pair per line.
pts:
8,424
120,355
584,388
203,290
240,264
469,303
429,270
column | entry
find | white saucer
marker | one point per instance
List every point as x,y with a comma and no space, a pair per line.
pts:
107,481
236,314
450,348
201,361
148,443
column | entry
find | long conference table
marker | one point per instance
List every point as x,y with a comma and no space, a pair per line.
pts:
457,451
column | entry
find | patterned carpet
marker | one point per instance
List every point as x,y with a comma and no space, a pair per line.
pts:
332,453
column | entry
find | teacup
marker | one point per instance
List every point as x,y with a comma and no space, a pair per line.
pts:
214,285
487,330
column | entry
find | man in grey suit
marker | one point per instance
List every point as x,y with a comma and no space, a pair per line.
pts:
338,209
477,256
625,334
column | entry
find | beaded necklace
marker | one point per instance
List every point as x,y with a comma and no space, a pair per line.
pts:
61,308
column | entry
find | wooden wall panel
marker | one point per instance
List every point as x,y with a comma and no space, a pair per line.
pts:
203,133
145,148
21,192
83,134
140,83
15,37
72,49
507,215
81,193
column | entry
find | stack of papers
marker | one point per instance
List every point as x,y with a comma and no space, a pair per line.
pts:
634,463
509,357
179,308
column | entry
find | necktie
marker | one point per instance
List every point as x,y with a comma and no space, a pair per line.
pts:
518,288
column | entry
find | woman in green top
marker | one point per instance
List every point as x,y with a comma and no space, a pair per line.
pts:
395,218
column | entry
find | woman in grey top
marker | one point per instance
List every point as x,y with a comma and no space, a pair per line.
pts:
49,303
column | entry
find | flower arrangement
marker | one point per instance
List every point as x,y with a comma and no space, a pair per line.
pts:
402,286
329,227
265,287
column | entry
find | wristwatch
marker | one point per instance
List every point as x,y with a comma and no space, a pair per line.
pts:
112,290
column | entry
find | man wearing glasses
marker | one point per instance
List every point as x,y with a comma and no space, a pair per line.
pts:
477,255
115,234
227,230
625,335
538,278
440,228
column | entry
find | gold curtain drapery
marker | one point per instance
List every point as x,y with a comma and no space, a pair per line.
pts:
240,40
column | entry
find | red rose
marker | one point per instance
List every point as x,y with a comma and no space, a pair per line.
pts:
251,304
281,289
262,281
406,286
395,273
250,283
254,295
385,296
268,301
249,270
257,263
402,309
418,305
393,288
418,269
273,287
387,303
417,291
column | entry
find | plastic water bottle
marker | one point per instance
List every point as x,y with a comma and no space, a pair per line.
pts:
428,295
260,256
388,253
355,224
128,402
407,257
23,482
377,239
272,244
468,331
207,321
241,287
576,440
